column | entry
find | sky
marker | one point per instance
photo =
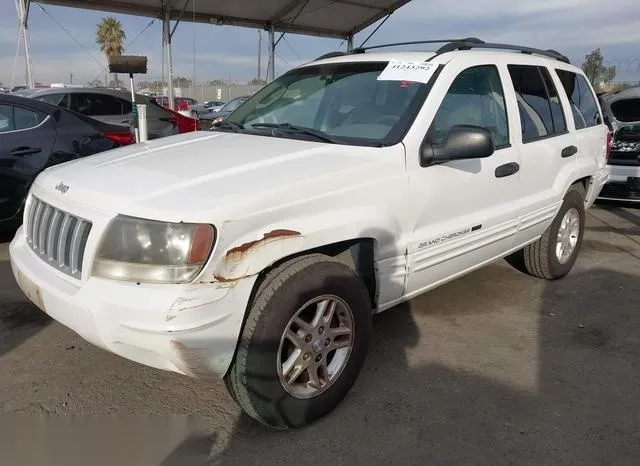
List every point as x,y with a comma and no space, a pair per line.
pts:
63,39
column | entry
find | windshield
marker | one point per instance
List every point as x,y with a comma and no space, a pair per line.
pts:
343,101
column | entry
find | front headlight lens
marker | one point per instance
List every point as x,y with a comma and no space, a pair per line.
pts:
151,251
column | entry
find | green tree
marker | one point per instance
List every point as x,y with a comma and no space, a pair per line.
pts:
598,74
110,36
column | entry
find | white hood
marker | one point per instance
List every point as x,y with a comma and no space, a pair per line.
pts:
201,171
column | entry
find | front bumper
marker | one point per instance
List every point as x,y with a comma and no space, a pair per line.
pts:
618,187
192,329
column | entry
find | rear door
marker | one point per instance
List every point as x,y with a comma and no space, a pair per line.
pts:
585,115
546,146
26,140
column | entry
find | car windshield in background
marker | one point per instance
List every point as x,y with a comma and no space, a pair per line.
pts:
344,102
234,104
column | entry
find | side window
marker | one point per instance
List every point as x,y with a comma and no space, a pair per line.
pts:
61,100
476,97
18,118
6,119
584,107
97,104
538,103
125,105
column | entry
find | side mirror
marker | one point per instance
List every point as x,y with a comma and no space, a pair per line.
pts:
461,142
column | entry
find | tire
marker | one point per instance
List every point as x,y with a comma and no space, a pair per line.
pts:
255,379
540,259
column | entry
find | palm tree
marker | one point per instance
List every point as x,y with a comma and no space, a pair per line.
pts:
110,37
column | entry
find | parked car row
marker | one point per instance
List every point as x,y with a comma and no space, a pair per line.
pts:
35,135
207,119
40,128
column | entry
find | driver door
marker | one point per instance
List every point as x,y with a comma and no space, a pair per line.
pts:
463,213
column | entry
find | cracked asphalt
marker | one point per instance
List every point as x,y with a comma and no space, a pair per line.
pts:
496,368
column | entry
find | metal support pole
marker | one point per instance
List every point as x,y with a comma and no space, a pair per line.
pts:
22,6
272,53
166,40
350,43
142,123
134,109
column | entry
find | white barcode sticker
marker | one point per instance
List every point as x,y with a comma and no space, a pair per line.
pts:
411,71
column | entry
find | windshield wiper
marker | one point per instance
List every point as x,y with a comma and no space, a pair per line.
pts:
287,127
229,124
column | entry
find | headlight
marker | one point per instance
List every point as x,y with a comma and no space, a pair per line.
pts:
217,120
141,250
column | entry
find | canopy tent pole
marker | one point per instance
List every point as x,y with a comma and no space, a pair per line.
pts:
272,53
350,43
22,6
166,41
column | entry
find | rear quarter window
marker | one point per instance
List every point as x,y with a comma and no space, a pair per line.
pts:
584,107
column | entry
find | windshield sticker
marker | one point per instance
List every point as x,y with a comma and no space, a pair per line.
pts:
444,238
404,71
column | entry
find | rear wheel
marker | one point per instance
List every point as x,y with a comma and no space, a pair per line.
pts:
303,344
553,255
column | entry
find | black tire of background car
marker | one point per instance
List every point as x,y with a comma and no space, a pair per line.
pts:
253,380
539,259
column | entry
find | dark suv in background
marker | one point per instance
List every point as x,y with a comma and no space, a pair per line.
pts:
622,115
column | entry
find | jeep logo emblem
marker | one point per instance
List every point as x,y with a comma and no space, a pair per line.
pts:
63,188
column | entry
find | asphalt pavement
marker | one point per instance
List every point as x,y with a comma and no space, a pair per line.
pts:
495,368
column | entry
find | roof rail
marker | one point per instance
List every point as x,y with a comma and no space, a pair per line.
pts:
467,45
470,40
331,55
397,44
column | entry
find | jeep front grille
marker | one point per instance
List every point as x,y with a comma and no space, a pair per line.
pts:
57,237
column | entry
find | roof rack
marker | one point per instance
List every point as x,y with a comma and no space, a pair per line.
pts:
397,44
455,44
467,45
469,40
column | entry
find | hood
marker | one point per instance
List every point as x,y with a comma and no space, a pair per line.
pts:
195,172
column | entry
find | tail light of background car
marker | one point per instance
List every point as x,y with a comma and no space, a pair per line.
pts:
123,138
609,144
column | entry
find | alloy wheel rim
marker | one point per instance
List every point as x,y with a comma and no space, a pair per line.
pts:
315,346
568,235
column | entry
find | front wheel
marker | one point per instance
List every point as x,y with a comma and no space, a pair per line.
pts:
303,344
553,255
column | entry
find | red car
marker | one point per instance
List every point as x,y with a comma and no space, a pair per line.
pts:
180,104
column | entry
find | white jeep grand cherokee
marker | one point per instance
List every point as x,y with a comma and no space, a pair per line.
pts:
259,251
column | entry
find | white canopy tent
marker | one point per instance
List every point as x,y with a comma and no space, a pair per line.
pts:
340,19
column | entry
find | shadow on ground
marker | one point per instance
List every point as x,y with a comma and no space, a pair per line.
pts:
582,409
19,320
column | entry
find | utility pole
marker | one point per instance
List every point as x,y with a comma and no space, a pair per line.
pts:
259,53
70,78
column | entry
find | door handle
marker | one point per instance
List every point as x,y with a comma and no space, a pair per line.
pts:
569,151
23,150
507,169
